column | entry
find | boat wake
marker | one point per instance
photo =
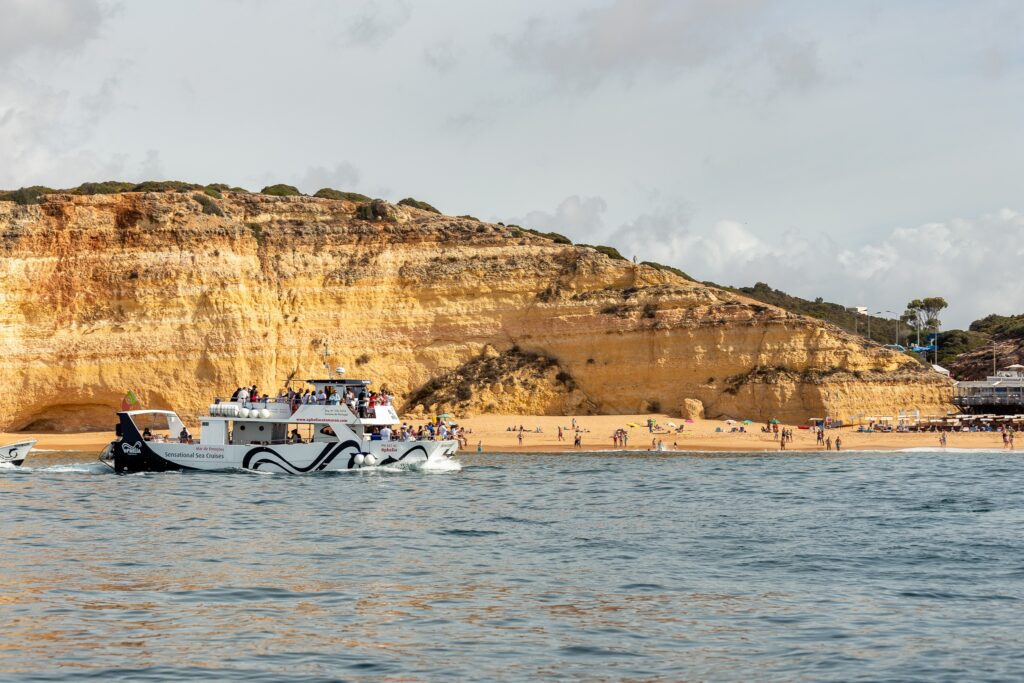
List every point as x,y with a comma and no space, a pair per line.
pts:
70,468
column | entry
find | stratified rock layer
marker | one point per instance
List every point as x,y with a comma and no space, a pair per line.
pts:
144,291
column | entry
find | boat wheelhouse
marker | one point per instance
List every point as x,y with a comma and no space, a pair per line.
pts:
274,435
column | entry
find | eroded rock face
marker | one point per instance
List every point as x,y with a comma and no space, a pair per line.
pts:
107,293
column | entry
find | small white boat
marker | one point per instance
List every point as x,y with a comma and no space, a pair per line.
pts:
15,453
270,436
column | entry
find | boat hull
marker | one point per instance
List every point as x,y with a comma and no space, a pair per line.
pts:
15,453
132,453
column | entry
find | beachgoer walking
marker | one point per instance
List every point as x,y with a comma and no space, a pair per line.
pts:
839,444
828,443
560,437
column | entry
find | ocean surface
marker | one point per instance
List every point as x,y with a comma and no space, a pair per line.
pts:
901,566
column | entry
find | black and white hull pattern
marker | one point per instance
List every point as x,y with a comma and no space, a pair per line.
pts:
134,453
15,453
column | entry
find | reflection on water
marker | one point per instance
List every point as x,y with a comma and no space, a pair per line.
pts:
875,566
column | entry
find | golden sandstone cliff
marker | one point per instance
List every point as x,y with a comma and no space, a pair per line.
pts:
146,291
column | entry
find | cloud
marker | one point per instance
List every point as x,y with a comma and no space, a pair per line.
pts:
627,39
47,25
441,57
972,262
376,21
344,176
575,217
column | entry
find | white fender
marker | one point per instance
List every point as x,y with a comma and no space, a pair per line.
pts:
370,459
359,459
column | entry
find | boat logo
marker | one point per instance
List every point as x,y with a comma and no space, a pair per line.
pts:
129,449
10,455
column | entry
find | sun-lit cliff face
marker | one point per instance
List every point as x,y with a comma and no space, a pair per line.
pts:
145,291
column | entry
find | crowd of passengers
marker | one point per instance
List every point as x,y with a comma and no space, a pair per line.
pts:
362,404
407,432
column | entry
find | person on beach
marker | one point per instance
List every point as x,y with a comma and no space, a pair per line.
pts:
828,444
942,440
520,437
839,444
560,437
578,442
782,442
479,446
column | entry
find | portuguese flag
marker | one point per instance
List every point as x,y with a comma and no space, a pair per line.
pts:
129,400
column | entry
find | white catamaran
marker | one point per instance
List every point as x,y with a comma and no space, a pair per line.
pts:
271,436
15,453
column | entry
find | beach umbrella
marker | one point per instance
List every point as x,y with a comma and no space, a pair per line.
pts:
748,422
689,421
773,421
730,422
444,415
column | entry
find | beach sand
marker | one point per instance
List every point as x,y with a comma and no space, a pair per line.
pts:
490,431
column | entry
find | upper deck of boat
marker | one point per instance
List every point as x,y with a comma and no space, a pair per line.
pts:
296,411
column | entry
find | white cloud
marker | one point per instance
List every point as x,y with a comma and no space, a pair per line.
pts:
975,263
627,39
575,216
47,26
376,21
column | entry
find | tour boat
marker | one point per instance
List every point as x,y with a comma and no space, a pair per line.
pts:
271,436
15,453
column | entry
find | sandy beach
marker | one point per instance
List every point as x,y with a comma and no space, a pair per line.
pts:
491,432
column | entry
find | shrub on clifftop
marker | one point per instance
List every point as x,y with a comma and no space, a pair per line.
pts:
415,203
105,187
26,195
281,190
329,193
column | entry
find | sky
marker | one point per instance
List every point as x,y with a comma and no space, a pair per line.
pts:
866,152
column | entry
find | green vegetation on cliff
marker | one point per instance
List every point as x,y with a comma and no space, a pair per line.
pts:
415,203
330,193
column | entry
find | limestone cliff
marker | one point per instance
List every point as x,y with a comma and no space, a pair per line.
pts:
157,293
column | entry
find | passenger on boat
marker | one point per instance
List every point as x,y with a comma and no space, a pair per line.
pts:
295,437
385,433
184,436
375,436
147,435
234,396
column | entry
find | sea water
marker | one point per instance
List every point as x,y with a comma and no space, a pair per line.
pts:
900,566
